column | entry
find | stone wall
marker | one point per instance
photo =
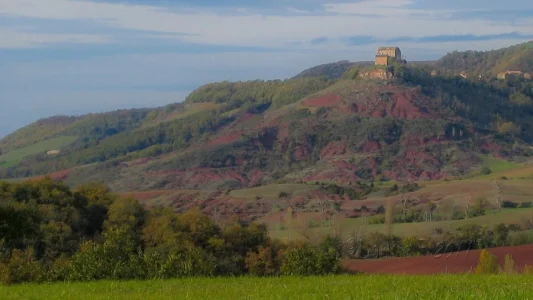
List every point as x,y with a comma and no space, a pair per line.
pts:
377,74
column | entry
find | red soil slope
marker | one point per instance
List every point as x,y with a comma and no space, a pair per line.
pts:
457,262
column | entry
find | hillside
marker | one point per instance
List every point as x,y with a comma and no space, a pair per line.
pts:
305,129
515,58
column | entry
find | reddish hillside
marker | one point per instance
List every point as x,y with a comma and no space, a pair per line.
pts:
457,262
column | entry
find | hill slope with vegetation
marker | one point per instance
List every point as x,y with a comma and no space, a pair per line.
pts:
306,129
326,124
515,58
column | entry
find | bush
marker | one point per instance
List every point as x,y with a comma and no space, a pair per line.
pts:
264,262
509,265
486,171
487,264
283,195
306,259
21,267
528,270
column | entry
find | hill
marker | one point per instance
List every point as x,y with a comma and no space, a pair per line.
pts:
332,71
306,129
515,58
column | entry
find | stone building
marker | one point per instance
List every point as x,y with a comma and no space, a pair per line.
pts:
504,75
387,54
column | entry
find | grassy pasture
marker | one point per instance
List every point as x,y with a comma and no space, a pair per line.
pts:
15,156
328,287
349,226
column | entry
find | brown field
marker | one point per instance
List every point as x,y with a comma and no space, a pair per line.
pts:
457,262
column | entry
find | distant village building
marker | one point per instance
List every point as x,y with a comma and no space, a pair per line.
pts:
386,55
53,152
507,74
434,73
463,74
528,76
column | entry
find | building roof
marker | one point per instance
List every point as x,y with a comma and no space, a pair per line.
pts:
388,48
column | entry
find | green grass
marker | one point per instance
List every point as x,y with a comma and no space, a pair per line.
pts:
271,191
499,165
329,287
13,157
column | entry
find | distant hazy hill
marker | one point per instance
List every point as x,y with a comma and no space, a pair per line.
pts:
518,57
317,126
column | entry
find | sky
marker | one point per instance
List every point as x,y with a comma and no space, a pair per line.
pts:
80,56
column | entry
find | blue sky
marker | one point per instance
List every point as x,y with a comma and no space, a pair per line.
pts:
79,56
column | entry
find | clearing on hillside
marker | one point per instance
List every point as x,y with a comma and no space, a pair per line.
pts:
13,157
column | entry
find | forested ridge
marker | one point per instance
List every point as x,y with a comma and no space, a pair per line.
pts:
515,58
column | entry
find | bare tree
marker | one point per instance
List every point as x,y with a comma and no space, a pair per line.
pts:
498,187
447,208
323,204
288,220
302,226
404,200
429,208
389,217
467,205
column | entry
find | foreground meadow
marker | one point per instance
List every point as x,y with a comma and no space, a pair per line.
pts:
328,287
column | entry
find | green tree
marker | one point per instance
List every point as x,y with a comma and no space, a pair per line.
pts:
127,214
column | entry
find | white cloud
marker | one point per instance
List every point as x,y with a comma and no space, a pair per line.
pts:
17,39
399,19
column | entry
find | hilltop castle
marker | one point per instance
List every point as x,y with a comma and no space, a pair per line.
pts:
387,55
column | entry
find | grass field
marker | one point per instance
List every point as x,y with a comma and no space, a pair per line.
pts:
271,191
329,287
348,226
15,156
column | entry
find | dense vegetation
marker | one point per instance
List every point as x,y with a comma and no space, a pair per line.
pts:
518,57
52,233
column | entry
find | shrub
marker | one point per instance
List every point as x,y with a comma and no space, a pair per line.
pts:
509,265
306,259
486,171
528,270
264,262
283,195
22,267
487,264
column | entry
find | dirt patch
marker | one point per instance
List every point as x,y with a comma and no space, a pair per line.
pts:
256,176
60,176
457,262
371,146
143,196
334,148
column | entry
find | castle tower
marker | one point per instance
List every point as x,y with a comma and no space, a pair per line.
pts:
386,54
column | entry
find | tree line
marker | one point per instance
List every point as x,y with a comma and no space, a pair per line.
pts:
50,232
